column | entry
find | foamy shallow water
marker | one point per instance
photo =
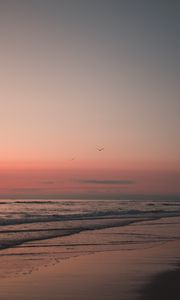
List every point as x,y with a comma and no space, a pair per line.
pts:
34,234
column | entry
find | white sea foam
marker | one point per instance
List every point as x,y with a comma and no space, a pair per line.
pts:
22,221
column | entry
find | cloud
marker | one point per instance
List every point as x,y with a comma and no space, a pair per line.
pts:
117,182
48,182
25,190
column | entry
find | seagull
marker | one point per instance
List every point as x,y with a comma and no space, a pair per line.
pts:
100,149
72,158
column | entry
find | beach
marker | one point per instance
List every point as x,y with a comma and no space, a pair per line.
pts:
90,150
163,286
108,275
129,270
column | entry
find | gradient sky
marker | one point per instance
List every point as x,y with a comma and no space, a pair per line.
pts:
77,74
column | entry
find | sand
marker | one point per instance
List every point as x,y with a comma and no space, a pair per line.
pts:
163,286
112,275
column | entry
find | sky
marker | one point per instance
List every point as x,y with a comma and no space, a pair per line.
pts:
76,75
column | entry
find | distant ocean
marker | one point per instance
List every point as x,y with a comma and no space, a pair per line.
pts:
39,231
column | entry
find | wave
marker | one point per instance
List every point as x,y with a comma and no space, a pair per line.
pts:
23,221
109,214
54,233
60,202
30,202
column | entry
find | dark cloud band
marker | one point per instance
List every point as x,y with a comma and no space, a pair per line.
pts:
95,181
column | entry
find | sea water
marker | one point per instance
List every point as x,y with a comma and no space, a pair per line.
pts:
34,233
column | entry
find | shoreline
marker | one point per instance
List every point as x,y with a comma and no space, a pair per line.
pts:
163,286
76,267
109,275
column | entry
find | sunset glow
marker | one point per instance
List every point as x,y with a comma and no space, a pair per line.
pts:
68,85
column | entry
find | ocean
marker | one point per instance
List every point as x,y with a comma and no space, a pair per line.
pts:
36,233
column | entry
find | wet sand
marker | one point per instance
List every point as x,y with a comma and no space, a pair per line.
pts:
112,275
163,286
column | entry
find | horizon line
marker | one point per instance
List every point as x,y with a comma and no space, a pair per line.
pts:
90,196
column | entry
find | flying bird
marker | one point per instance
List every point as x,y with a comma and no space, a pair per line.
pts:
100,148
72,158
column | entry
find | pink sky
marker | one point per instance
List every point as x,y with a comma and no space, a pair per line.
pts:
68,86
36,182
